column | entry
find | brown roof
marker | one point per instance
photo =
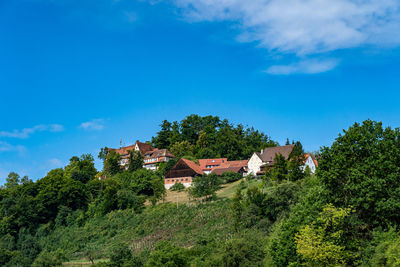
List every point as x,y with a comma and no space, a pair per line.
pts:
221,170
143,147
158,153
269,153
123,150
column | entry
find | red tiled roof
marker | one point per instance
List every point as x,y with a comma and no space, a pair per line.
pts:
207,162
193,166
234,163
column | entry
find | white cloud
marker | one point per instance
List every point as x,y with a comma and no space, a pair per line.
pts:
95,125
5,147
304,27
305,66
54,163
27,132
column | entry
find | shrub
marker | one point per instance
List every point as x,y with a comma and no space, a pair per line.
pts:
50,259
166,254
120,255
230,177
177,187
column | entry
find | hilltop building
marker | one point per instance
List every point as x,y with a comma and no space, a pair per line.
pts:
259,160
185,170
156,156
152,156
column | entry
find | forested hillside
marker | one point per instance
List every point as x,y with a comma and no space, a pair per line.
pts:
347,214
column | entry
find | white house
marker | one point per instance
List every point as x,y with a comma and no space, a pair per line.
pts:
310,162
266,158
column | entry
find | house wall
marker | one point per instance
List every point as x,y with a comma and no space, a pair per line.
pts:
310,163
186,181
254,165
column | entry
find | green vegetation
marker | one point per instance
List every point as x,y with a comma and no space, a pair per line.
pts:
177,187
347,214
210,137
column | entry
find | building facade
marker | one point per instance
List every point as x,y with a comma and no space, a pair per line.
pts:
260,160
152,156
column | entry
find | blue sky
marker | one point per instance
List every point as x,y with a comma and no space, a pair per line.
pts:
79,75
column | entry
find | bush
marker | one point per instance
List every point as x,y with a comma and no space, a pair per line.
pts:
177,187
166,254
50,259
230,177
120,255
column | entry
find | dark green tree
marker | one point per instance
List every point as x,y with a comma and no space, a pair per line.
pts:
135,160
81,169
362,169
163,138
278,171
112,163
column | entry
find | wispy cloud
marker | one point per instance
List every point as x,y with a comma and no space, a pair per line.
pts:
94,125
27,132
303,27
5,147
54,163
303,67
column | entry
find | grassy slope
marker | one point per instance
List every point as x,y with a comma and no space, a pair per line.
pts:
184,226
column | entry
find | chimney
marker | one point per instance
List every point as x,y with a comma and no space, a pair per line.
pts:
262,151
120,143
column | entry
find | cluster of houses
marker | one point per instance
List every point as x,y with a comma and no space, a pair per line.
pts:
185,170
152,156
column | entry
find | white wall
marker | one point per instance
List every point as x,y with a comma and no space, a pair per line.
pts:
168,186
254,164
310,163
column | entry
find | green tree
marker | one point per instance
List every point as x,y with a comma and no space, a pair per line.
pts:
166,254
326,241
135,160
163,138
13,179
180,149
205,186
112,163
237,209
81,169
361,169
279,171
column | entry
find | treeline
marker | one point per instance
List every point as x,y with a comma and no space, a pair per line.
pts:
74,194
210,137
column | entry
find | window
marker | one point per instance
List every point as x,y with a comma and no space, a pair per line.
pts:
172,180
186,179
